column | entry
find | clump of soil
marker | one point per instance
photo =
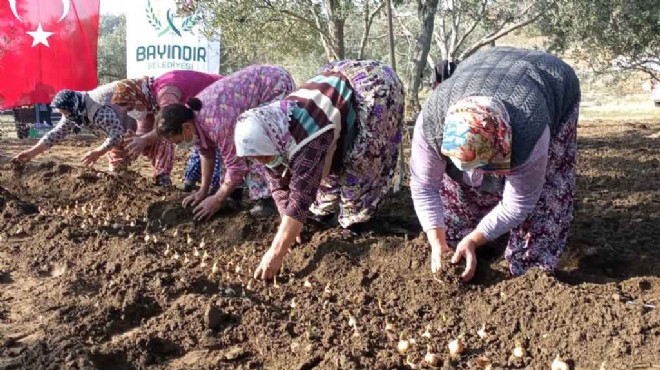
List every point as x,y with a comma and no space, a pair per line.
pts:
18,167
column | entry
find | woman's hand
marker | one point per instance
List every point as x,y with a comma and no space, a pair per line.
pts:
439,246
436,257
28,155
271,262
23,157
207,208
91,157
194,198
467,249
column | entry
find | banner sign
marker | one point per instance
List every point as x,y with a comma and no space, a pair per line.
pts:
159,41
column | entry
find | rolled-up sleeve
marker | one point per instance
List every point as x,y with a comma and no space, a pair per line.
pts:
278,182
522,190
236,167
169,94
63,128
206,146
294,189
427,168
107,120
306,176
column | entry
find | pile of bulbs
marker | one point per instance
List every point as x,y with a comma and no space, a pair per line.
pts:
92,216
457,346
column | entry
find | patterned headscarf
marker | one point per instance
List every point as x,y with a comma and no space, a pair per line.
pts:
73,101
136,91
477,134
263,131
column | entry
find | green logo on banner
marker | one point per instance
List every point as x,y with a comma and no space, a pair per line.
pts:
186,23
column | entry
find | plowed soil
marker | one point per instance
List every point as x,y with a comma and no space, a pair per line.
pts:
105,272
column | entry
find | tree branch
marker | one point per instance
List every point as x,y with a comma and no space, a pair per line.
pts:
368,20
429,61
326,40
410,39
315,26
474,24
642,65
441,39
455,19
496,35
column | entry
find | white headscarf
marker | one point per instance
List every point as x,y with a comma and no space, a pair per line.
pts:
263,131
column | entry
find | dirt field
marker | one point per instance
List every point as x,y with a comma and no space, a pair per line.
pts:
98,272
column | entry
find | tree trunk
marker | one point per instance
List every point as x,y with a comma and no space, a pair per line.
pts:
365,34
368,21
322,26
329,50
338,36
336,27
426,14
336,30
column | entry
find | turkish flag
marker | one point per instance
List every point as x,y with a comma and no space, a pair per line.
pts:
46,46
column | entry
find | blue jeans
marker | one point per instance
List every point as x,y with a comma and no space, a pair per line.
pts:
193,173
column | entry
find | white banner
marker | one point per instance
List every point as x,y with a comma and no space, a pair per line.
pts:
158,41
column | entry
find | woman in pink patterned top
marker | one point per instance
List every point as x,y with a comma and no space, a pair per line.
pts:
143,97
209,121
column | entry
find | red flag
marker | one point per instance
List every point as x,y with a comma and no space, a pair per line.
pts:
46,46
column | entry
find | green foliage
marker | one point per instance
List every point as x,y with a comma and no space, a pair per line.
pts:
603,33
284,32
253,34
111,57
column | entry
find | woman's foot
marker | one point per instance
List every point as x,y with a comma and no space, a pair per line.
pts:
264,208
163,180
329,220
188,186
354,230
237,195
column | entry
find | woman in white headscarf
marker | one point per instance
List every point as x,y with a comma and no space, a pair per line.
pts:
334,141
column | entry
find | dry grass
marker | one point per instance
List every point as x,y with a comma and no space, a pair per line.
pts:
607,106
7,129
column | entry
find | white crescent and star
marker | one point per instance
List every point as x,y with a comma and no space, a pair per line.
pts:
40,36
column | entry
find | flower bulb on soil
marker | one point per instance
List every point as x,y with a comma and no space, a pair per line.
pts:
456,347
558,364
431,358
403,346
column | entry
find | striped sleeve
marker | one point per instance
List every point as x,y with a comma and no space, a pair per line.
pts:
324,101
306,176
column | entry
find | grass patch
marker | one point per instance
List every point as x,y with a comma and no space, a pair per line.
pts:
612,107
622,114
7,127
